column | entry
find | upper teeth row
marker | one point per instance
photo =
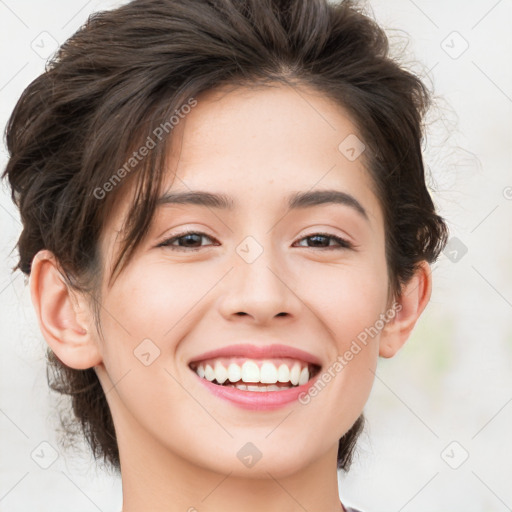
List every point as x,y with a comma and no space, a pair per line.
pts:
251,372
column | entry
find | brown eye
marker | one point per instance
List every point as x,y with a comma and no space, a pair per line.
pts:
188,240
322,241
191,240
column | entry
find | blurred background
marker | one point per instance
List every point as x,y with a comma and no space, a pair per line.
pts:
440,410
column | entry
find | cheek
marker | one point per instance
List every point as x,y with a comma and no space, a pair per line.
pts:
348,303
151,309
152,301
355,320
346,298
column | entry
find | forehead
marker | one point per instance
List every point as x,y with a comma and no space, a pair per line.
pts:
259,145
272,140
290,123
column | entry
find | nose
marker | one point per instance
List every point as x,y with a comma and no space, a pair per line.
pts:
259,290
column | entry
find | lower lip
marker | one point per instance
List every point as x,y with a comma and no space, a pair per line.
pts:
257,400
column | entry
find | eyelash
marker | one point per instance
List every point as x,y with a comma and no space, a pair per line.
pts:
343,244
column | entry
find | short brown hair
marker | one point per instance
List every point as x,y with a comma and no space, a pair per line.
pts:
127,70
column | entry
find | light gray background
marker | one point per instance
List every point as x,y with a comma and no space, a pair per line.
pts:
447,395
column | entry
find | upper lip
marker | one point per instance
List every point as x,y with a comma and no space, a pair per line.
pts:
259,352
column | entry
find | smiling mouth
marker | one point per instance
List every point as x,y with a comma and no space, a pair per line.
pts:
256,374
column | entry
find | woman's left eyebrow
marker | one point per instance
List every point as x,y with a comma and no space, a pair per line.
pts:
296,200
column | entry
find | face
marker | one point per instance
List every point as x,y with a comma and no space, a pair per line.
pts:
310,277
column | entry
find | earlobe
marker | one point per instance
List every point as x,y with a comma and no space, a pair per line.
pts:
62,315
411,303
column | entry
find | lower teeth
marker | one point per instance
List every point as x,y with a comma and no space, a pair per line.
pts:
248,387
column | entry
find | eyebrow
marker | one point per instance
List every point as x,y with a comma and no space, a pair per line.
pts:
297,200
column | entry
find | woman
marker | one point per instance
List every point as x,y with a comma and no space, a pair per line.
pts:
225,224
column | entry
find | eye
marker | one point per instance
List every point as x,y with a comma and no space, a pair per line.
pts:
321,241
190,240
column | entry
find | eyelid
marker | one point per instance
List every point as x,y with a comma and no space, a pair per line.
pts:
177,236
343,243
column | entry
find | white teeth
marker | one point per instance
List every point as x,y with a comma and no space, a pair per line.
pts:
221,374
304,376
250,372
268,373
295,374
283,373
209,374
260,388
234,372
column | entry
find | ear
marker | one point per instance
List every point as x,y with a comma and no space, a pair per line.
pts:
413,299
63,315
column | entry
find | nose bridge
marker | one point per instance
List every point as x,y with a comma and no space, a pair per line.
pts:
257,285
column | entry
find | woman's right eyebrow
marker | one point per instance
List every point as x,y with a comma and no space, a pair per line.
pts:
296,200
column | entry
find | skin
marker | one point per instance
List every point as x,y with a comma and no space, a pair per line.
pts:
177,442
